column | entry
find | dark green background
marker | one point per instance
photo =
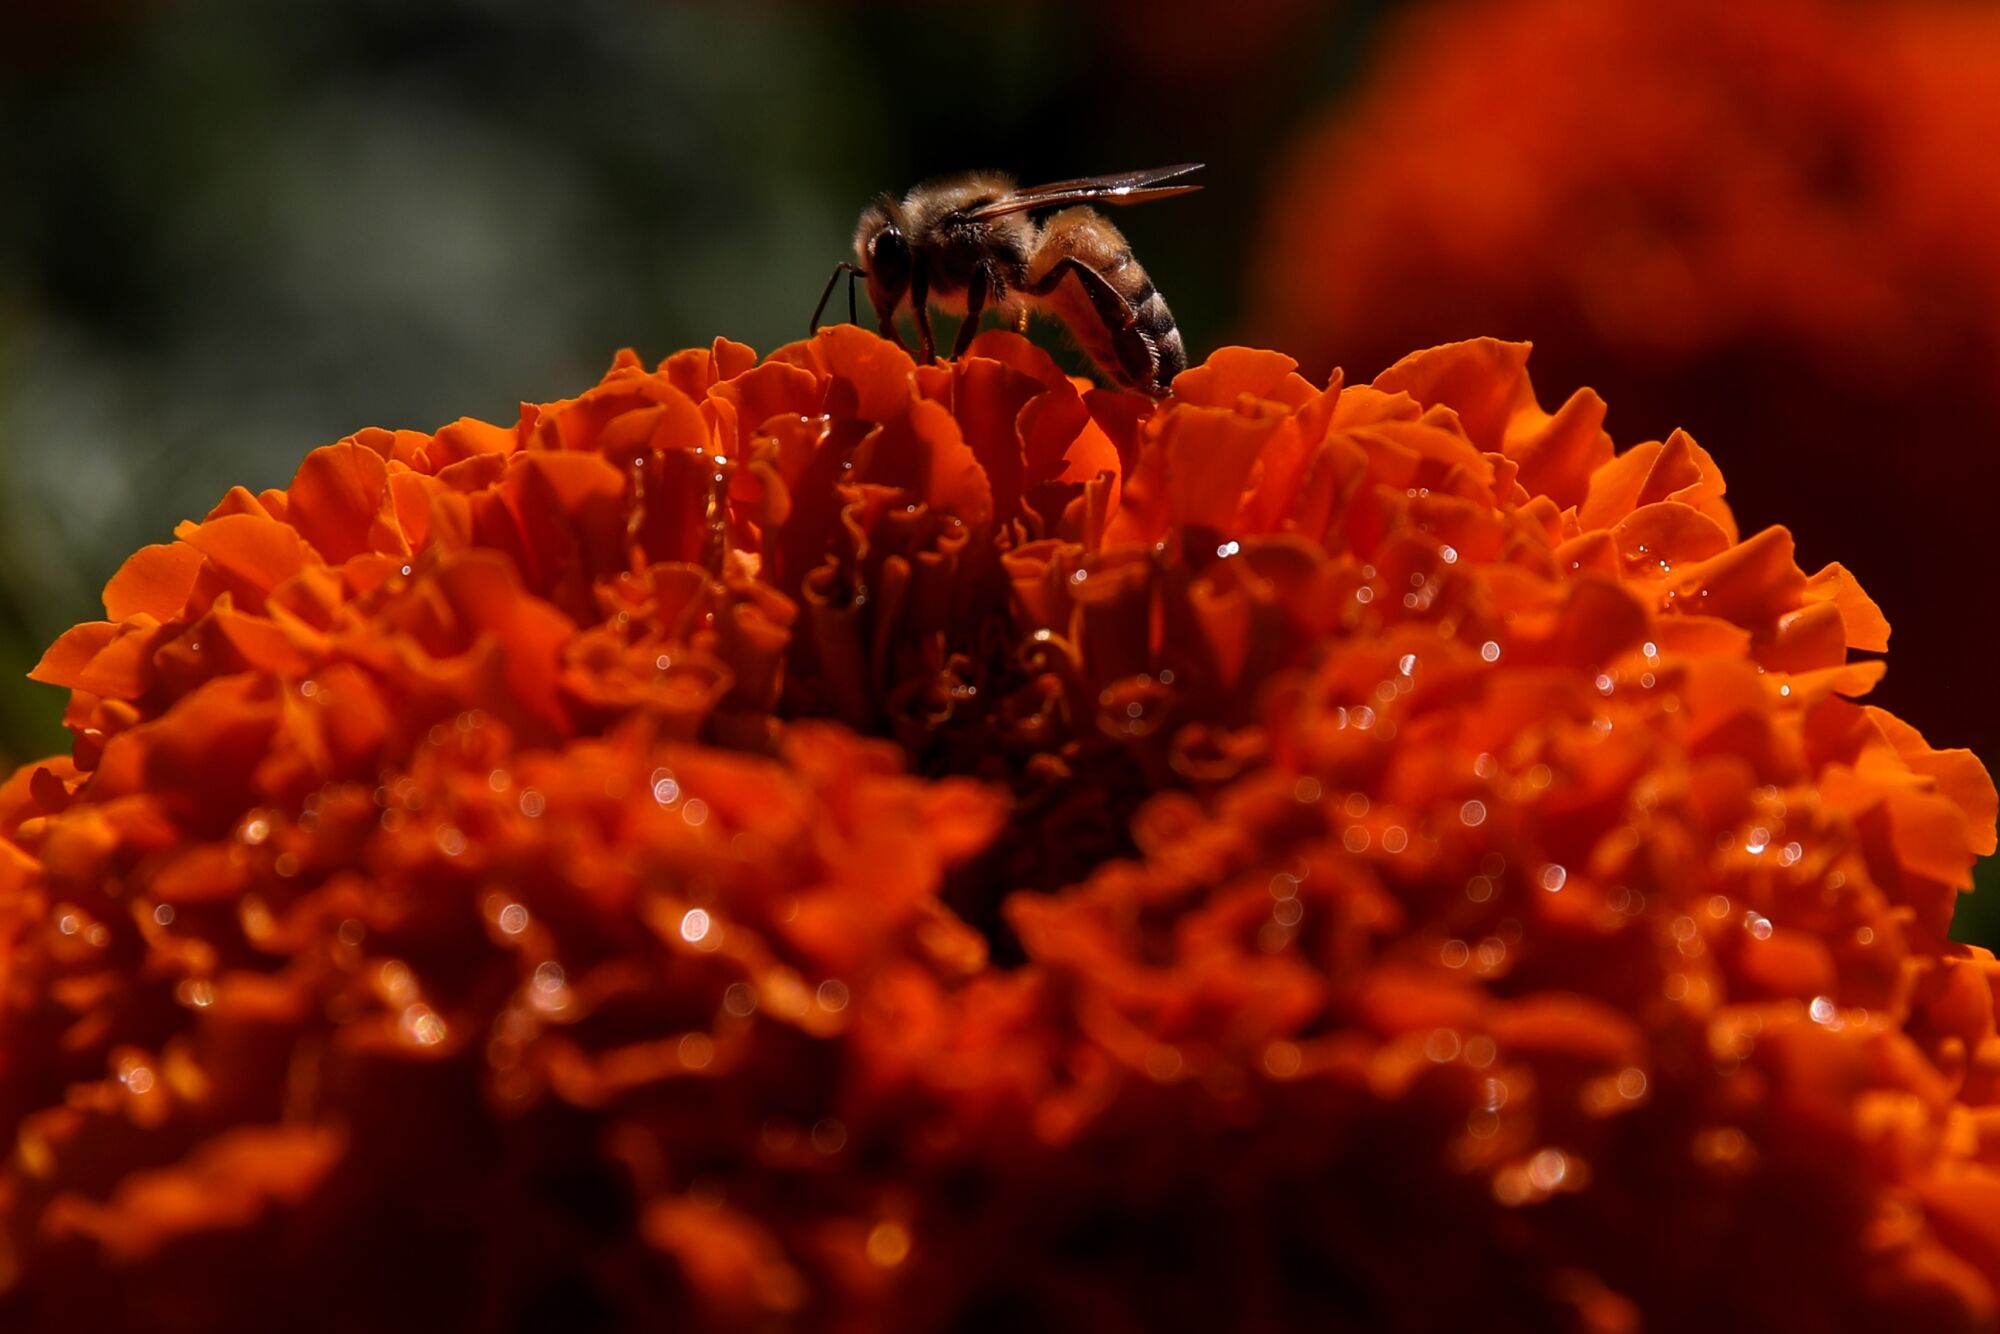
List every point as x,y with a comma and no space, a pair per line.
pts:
232,230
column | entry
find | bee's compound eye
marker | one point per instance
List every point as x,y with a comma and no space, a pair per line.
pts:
889,257
888,266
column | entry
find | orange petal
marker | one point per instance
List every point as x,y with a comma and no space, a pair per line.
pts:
486,593
466,437
922,451
1657,539
338,501
1564,1024
987,400
1231,372
1614,488
197,759
1959,774
1208,454
155,580
1866,626
64,662
232,1181
1559,455
1483,380
124,669
779,389
253,554
1018,354
1750,584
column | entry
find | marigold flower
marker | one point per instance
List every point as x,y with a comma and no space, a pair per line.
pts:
1768,223
833,843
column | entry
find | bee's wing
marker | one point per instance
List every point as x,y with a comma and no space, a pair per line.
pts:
1128,187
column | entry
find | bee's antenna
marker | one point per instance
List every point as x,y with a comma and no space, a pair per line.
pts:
852,315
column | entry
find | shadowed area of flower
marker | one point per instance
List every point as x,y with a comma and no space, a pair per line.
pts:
841,844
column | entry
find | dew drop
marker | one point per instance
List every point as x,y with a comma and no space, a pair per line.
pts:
829,1136
888,1245
421,1025
1548,1169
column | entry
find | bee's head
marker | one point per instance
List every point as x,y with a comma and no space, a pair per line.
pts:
883,248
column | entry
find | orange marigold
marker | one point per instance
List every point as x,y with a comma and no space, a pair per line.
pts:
840,844
1770,223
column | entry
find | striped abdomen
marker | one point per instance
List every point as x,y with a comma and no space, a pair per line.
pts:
1083,273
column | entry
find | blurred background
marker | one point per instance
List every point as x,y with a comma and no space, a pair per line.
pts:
231,231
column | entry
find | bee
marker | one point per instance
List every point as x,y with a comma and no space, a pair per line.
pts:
977,242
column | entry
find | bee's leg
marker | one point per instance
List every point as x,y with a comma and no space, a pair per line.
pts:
886,326
1021,322
852,273
1136,356
982,286
920,303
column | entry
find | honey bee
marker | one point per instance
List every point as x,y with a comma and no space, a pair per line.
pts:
976,242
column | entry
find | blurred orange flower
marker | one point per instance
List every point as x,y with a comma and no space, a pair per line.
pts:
1769,223
841,844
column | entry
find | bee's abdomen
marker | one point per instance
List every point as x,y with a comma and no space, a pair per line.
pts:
1111,307
1155,324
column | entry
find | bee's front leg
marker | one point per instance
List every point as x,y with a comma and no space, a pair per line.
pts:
920,302
852,272
885,324
985,283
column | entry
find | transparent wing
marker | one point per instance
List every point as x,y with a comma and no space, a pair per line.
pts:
1128,187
